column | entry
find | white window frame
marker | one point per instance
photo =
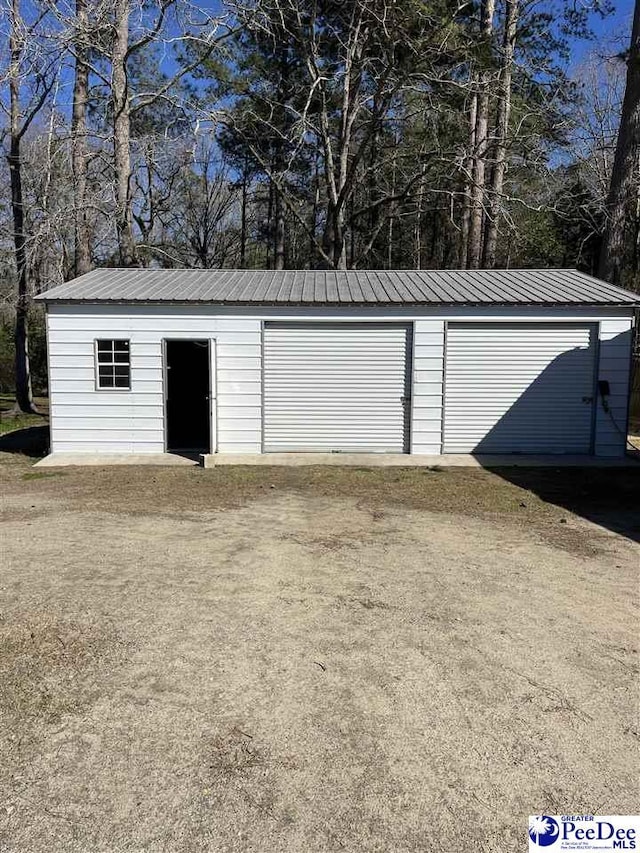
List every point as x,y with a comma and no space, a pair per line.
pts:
112,363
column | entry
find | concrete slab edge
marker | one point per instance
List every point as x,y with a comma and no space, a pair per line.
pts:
383,460
361,460
64,460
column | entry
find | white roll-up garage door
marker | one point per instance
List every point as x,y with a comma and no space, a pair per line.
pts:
336,387
519,387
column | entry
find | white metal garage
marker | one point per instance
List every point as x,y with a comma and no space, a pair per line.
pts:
519,387
239,363
332,387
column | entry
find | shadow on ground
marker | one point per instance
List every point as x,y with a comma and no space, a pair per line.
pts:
31,441
609,497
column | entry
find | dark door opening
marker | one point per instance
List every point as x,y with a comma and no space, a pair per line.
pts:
187,389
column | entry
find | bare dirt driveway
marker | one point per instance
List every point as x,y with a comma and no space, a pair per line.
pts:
313,659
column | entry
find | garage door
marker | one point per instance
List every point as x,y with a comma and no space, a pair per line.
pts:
522,387
336,387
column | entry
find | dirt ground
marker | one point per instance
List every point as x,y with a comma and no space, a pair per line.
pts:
313,659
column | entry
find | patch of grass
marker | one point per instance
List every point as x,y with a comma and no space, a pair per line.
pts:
541,498
42,664
10,422
42,475
188,490
512,491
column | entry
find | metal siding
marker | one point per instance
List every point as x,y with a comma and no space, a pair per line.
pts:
614,367
342,287
519,388
71,330
83,419
426,398
336,387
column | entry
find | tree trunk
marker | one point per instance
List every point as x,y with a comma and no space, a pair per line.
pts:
82,247
502,130
24,397
269,240
243,219
390,234
352,233
334,238
434,239
623,192
418,227
278,242
468,187
372,186
339,245
121,135
314,213
474,255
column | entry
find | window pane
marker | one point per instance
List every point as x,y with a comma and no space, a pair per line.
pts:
105,377
122,357
121,346
105,346
122,379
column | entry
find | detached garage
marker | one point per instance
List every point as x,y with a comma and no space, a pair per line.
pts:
413,362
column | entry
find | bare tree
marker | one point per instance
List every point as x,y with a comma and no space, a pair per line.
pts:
477,205
23,46
354,62
622,201
468,182
501,133
122,133
190,213
342,125
210,32
79,152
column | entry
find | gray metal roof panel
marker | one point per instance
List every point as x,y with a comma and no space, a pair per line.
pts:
355,287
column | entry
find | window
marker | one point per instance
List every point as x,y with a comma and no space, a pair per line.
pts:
113,364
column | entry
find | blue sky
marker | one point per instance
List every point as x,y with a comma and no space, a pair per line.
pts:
614,32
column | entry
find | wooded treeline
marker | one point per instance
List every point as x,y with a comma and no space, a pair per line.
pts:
306,134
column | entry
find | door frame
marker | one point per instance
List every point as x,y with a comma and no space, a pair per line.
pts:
213,401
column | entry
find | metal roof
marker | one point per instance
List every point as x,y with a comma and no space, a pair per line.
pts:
353,287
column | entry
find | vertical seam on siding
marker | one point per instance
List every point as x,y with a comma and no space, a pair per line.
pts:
262,325
210,389
214,390
632,337
163,351
411,375
595,331
49,380
445,339
95,365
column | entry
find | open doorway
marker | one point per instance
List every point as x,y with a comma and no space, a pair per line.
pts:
187,396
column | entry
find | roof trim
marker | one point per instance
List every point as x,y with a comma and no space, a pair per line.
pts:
272,304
